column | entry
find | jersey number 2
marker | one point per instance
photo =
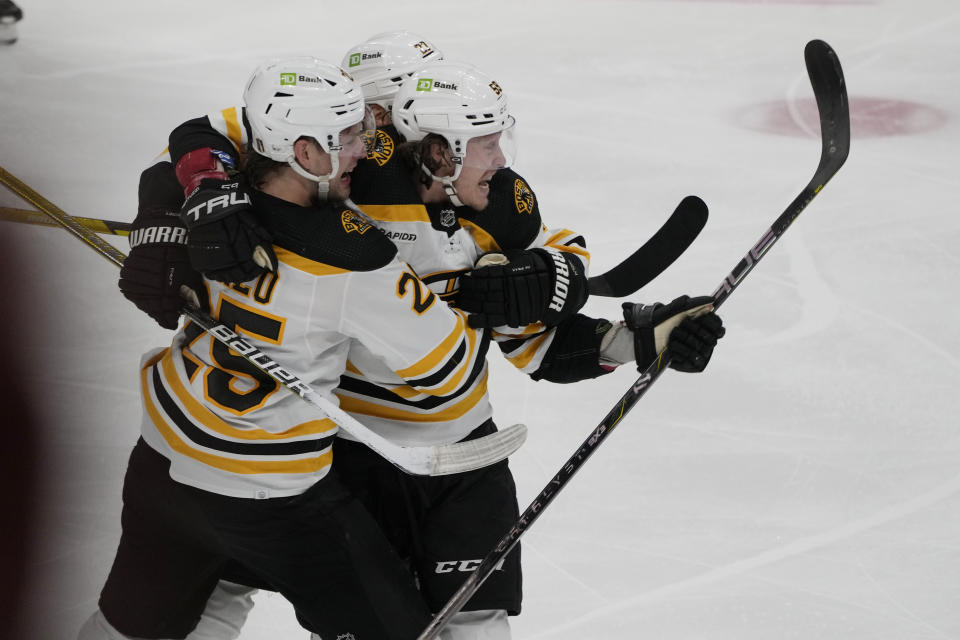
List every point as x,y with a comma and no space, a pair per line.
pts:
423,298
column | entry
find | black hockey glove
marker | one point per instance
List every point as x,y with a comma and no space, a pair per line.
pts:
226,242
691,344
158,267
687,327
517,288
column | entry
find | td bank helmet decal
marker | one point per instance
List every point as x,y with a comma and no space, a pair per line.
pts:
523,196
429,84
380,147
352,222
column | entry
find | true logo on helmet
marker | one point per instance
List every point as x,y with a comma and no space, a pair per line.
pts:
352,222
429,84
523,196
381,148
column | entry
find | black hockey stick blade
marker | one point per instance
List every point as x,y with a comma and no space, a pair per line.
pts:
656,254
830,90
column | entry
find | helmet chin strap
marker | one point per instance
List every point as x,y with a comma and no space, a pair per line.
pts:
323,182
447,183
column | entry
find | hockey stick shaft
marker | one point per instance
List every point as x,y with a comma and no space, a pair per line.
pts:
826,77
634,272
440,460
103,227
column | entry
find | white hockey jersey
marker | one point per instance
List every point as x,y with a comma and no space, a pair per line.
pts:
229,428
439,243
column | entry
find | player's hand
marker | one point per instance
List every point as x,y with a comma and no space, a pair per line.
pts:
687,327
157,275
225,241
518,288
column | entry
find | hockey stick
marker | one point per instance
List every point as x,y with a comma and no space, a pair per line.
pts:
826,78
434,460
642,266
656,254
104,227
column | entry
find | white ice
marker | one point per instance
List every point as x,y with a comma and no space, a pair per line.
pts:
806,486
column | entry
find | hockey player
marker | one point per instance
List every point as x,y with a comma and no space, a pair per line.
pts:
381,64
443,214
10,15
231,468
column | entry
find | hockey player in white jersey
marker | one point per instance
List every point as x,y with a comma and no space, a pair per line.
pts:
233,469
381,63
443,525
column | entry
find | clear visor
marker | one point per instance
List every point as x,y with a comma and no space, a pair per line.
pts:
355,141
493,151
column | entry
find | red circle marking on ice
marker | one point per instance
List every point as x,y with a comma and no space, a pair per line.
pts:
869,117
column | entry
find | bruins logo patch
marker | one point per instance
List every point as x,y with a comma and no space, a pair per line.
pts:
352,222
380,148
522,196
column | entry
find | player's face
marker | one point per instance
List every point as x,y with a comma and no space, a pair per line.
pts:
484,158
353,149
382,115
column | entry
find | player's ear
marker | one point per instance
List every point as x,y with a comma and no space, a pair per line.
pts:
304,150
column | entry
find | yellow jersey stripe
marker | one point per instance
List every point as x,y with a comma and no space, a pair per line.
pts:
232,465
483,239
396,212
524,357
439,354
457,377
569,248
306,265
458,410
520,332
234,128
554,241
208,419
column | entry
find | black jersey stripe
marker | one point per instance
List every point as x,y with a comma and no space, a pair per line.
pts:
362,387
201,438
441,374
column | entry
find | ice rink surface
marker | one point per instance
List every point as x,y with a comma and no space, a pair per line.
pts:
806,486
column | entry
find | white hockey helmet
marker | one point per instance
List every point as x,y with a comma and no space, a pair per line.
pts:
458,102
291,98
382,63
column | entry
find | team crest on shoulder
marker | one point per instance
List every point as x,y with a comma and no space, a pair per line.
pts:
380,147
352,222
523,196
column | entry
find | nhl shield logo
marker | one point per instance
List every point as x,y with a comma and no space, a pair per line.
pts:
523,197
380,147
352,222
448,218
